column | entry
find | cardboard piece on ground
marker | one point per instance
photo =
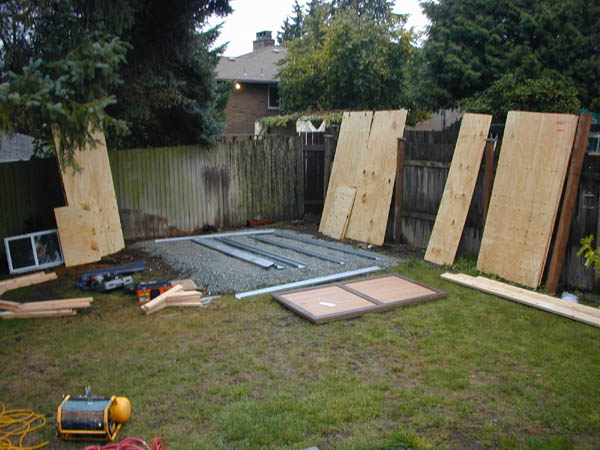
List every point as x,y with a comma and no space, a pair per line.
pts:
92,189
525,198
375,178
353,298
337,222
79,235
188,285
581,313
350,151
458,192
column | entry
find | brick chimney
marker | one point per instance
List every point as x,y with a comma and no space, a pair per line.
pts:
263,39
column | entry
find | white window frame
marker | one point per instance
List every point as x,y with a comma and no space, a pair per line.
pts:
32,238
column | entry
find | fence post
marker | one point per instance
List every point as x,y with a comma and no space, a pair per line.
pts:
488,177
327,163
398,189
570,199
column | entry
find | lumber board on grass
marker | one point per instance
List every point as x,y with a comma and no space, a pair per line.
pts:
350,151
526,195
9,306
458,192
173,303
79,234
160,302
14,283
48,305
581,313
376,175
337,221
37,314
92,189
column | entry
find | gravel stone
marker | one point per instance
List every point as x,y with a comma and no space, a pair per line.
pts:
222,274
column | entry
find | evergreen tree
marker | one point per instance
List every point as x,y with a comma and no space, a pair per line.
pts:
478,49
292,26
68,62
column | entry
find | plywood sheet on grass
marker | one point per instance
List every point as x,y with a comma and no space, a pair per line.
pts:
458,192
526,195
353,298
78,232
377,173
343,200
92,189
350,151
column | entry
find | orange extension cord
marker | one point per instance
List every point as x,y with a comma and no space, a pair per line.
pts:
19,423
158,443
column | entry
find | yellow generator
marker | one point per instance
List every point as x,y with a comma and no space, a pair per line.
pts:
92,418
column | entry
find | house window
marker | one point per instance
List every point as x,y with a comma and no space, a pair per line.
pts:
274,102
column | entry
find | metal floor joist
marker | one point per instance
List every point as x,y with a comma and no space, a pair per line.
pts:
259,251
302,250
330,245
237,253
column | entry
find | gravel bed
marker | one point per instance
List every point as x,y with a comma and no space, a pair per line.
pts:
222,274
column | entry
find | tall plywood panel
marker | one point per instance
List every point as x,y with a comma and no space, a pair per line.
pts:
92,189
376,176
350,151
460,185
529,179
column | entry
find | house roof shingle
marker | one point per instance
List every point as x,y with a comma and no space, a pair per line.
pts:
260,66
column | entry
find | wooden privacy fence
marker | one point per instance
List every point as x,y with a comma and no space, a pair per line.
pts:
426,165
178,190
29,192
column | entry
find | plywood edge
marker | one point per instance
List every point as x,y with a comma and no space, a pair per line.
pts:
564,309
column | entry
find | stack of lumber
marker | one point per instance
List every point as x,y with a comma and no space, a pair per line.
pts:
575,311
176,296
47,308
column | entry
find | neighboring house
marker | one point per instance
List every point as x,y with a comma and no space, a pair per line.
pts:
255,84
16,147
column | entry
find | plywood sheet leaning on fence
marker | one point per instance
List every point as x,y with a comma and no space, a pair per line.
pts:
350,151
92,189
79,236
527,189
343,200
458,192
376,175
575,311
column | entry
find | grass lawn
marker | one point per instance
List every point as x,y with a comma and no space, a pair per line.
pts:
467,371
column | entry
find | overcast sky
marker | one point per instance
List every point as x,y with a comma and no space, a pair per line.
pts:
251,16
